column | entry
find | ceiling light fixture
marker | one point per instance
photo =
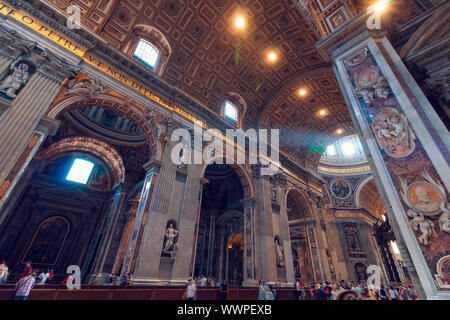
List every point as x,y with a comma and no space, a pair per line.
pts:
239,22
339,131
272,56
380,5
302,92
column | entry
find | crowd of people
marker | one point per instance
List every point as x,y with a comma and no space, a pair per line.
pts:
327,291
312,291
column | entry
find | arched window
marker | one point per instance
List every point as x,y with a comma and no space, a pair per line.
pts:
147,53
150,46
231,112
80,171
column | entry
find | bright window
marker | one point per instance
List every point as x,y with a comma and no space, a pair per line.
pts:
147,53
395,247
230,111
81,171
348,148
331,151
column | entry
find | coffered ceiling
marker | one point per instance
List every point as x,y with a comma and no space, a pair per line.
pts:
203,43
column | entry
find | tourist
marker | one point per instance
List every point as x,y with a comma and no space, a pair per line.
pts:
412,293
299,289
191,291
334,292
27,271
3,272
68,281
383,294
24,286
51,274
392,294
327,290
43,276
278,284
224,290
203,281
262,290
123,279
269,293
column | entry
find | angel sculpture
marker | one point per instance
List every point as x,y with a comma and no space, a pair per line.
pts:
380,88
444,220
87,87
401,129
160,126
425,225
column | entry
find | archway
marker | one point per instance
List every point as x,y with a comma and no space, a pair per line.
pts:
219,250
58,215
299,217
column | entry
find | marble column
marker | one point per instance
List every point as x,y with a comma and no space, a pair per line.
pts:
21,118
222,233
108,249
266,264
121,252
46,127
249,205
149,255
406,143
134,244
285,233
188,227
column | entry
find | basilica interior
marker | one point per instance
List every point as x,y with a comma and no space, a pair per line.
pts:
91,100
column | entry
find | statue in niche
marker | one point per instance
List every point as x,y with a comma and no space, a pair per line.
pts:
14,81
279,253
170,241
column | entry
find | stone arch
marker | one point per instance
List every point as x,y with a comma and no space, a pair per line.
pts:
300,202
241,172
155,37
92,146
368,197
359,188
113,103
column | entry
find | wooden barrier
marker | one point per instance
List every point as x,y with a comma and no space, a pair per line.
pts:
58,292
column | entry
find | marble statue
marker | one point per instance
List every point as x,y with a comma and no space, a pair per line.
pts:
280,255
13,82
444,220
381,88
400,129
169,244
87,87
425,225
159,125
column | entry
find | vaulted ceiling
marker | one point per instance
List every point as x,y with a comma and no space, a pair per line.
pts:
202,63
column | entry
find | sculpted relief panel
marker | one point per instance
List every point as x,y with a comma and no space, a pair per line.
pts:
423,195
